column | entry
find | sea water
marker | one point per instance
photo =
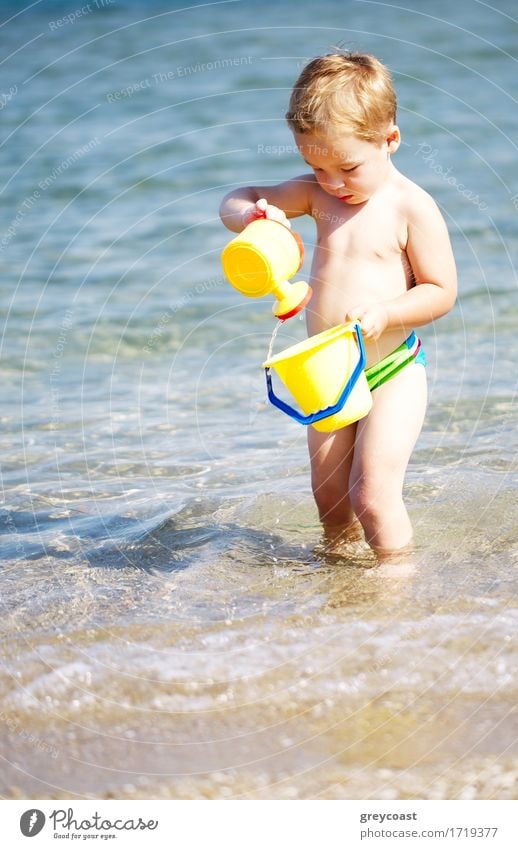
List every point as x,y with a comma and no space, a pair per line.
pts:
168,627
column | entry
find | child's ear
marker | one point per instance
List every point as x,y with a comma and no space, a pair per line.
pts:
393,139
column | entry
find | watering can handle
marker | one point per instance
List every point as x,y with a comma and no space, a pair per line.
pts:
328,411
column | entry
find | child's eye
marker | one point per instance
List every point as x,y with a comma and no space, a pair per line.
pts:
348,170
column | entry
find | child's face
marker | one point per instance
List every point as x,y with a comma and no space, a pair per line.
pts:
346,166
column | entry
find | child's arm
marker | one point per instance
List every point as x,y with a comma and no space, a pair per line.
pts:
286,200
430,255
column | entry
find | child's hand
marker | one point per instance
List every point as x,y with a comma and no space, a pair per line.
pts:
263,209
373,319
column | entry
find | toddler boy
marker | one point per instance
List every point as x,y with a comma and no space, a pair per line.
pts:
382,257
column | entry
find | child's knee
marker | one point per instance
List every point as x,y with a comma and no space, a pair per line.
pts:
367,508
381,512
372,499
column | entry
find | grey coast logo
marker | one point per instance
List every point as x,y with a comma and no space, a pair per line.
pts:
31,822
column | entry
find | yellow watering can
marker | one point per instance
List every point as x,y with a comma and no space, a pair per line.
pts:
325,374
260,261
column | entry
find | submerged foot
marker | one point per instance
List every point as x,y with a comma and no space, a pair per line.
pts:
397,562
343,541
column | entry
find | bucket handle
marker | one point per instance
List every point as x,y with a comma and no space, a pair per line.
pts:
327,411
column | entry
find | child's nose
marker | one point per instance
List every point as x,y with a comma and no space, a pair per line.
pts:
335,182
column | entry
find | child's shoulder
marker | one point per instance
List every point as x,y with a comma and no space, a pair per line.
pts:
426,229
414,201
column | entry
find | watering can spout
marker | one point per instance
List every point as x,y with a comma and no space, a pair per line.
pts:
261,260
291,298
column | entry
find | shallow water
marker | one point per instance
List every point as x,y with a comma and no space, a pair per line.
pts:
170,627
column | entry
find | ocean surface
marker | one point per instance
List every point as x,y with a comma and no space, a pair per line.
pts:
169,626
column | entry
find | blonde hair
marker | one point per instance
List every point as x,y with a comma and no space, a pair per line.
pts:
346,90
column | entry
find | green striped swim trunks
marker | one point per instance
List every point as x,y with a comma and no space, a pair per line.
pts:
409,352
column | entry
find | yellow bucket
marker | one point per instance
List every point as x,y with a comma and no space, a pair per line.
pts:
325,375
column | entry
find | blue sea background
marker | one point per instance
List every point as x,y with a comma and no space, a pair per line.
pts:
168,628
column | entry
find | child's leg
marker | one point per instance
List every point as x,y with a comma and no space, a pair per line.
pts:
331,456
384,443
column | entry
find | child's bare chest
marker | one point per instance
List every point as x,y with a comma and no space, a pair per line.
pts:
358,232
